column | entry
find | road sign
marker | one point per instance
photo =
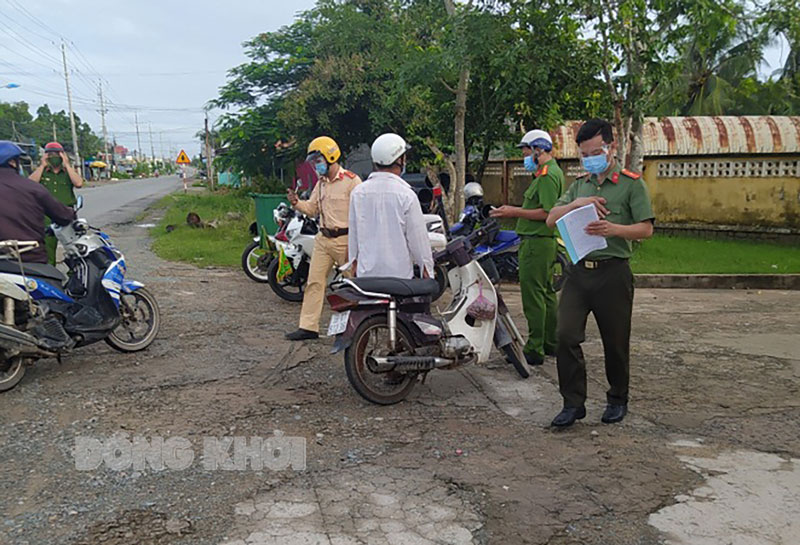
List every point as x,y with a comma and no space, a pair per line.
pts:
183,159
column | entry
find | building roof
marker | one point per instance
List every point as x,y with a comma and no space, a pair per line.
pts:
712,135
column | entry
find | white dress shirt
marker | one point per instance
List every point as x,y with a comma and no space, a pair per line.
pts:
388,235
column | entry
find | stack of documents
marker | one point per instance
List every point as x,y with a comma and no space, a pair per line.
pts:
572,227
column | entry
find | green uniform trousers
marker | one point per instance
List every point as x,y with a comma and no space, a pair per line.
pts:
606,292
537,257
50,244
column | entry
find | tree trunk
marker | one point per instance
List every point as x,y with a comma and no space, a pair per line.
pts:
433,176
457,189
636,157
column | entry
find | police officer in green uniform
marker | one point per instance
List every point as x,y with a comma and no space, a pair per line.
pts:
601,283
537,253
60,179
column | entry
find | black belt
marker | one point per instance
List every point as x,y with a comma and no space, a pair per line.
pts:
591,265
333,233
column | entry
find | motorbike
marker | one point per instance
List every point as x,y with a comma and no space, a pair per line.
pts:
504,250
256,257
293,246
47,314
391,340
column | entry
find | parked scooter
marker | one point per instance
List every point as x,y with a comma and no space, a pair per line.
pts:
504,250
390,339
47,315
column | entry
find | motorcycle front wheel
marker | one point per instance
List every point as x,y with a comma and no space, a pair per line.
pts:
141,320
255,262
371,338
11,372
291,288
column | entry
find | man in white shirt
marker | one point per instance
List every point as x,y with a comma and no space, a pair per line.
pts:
388,235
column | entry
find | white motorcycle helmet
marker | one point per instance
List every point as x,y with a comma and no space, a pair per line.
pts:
473,189
388,148
536,138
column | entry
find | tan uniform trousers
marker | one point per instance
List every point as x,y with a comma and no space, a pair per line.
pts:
327,253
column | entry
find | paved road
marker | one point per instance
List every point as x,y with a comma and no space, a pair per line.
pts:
121,202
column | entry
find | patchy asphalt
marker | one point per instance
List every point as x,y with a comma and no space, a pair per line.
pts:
467,459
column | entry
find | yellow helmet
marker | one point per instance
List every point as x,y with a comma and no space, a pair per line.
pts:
325,146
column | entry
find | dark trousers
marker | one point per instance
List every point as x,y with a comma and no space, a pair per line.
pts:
606,292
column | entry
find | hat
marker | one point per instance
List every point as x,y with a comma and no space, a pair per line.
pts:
54,147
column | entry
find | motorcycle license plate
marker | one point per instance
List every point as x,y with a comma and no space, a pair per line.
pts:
338,323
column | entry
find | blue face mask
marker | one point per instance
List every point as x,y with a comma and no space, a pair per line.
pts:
530,163
321,168
595,164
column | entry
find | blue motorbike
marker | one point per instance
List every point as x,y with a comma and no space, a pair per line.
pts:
503,251
47,314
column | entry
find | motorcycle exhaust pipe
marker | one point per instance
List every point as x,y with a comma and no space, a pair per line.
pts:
410,363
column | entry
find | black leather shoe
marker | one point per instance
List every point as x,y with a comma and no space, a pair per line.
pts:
533,359
568,416
302,335
614,413
551,352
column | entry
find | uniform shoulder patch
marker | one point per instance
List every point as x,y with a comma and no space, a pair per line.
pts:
631,174
349,174
542,171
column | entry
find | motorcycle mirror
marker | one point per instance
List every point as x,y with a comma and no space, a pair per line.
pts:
78,203
486,210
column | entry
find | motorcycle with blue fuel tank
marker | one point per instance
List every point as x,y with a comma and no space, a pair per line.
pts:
504,248
47,314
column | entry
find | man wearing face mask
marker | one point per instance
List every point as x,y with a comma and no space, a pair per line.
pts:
24,205
601,283
330,200
57,175
537,253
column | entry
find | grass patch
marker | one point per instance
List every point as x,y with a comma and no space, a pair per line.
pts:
686,255
218,247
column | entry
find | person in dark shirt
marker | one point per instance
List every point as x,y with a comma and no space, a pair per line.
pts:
24,205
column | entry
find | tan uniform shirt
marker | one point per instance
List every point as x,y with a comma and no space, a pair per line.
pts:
330,199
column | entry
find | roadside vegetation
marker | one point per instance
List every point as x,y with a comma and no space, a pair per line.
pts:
228,215
232,212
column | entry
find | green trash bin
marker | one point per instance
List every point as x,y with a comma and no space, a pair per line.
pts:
265,205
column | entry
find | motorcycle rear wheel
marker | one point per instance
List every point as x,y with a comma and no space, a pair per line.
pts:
11,373
255,262
141,319
370,385
290,288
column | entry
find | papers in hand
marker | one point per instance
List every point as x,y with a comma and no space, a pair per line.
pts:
572,227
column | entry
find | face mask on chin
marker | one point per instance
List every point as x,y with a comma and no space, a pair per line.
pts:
54,161
530,163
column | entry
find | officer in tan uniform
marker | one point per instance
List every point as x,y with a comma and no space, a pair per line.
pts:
330,200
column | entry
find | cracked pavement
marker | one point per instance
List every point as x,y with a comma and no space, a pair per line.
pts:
468,458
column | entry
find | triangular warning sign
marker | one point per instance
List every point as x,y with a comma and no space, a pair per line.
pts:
182,159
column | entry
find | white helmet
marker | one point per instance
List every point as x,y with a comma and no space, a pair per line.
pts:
537,138
387,148
473,189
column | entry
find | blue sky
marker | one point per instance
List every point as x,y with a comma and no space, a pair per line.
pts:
167,57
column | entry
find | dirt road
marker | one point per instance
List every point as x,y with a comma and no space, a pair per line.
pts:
710,452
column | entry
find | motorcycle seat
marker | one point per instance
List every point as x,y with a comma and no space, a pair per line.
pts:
39,270
399,287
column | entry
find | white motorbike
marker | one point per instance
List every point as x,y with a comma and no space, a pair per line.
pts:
293,246
391,339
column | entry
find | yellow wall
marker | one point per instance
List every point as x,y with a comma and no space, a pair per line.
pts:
757,201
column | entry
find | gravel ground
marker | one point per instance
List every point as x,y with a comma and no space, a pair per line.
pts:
467,459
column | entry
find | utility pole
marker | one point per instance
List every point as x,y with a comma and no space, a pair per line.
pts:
105,131
14,131
152,150
138,140
209,168
55,135
71,112
161,145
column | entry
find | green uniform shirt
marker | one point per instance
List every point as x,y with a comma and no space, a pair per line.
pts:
544,191
627,201
59,185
